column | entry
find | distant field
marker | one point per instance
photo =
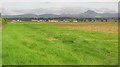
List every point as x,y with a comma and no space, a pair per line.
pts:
107,27
60,43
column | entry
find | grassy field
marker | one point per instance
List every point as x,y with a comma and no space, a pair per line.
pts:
0,41
0,46
59,43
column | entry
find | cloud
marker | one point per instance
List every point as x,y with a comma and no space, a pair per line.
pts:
106,10
57,8
65,10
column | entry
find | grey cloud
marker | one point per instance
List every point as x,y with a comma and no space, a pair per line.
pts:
106,10
65,10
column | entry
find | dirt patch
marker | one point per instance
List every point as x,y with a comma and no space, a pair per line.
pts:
52,39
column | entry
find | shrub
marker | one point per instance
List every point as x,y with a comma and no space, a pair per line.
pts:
4,21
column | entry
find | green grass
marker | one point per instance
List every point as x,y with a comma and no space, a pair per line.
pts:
28,44
0,41
0,46
0,19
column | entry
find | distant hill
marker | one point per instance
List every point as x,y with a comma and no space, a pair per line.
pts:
93,14
20,16
48,16
87,14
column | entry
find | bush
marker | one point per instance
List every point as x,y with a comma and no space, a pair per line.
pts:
4,21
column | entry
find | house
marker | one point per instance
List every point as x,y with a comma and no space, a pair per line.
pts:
53,20
34,20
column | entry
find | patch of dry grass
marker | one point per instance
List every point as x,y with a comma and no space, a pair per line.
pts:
51,39
108,27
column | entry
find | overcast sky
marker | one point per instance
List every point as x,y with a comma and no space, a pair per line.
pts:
14,7
59,0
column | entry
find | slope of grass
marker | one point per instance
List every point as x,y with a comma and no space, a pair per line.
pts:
30,44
